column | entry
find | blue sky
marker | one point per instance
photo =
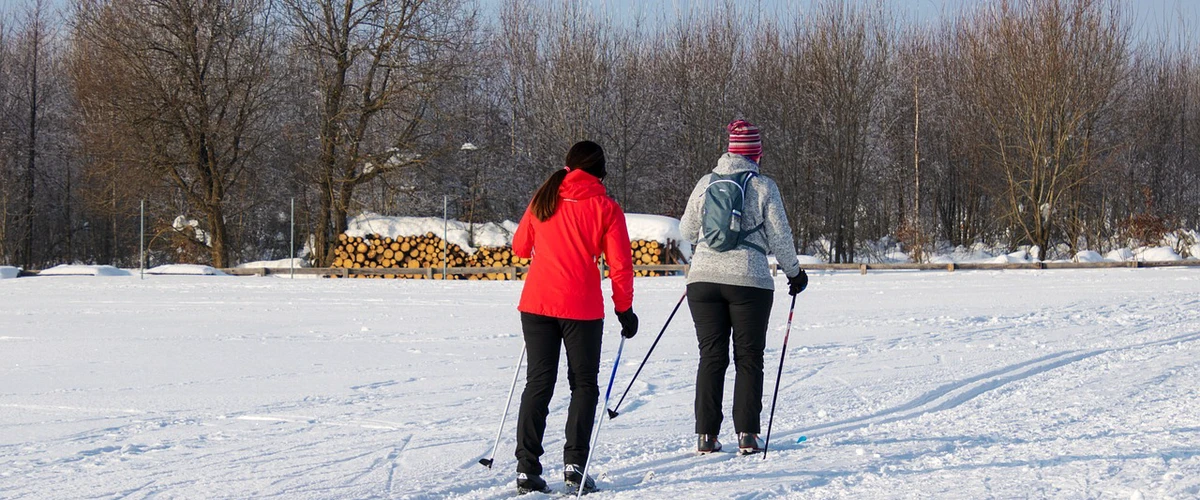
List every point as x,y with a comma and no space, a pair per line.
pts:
1152,18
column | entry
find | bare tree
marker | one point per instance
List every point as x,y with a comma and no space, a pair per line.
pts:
37,171
30,45
702,86
1026,122
6,141
110,190
845,55
776,90
558,66
631,111
377,67
1042,74
193,81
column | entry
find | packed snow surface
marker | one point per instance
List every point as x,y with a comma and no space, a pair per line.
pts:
9,272
83,270
281,263
1158,254
971,384
186,269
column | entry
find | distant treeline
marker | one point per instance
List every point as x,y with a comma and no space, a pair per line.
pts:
1032,122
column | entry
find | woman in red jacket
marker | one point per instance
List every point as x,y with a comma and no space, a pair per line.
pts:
568,225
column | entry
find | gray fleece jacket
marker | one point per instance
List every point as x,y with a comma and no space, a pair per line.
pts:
742,266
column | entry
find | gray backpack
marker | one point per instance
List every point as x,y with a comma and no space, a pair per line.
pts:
721,217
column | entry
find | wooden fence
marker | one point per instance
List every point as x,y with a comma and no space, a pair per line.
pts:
513,271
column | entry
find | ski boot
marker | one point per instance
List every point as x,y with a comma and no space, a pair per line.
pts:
528,483
573,474
749,443
707,443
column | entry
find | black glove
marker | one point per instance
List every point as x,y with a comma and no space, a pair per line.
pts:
629,323
797,283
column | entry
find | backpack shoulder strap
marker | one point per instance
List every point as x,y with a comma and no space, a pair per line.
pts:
745,241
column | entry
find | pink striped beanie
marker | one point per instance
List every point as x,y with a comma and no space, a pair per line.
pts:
744,139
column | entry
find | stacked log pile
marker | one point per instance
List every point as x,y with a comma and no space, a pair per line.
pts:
495,257
411,252
425,251
651,253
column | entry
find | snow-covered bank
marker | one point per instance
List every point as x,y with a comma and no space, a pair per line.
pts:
83,270
185,270
275,264
1065,383
9,272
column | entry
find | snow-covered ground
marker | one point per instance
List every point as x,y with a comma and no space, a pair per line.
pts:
1018,384
83,270
186,270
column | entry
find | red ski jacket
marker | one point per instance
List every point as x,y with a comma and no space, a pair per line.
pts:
564,275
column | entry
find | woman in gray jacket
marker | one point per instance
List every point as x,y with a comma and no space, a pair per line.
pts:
730,289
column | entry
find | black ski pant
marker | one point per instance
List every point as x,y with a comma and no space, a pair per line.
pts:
721,312
544,338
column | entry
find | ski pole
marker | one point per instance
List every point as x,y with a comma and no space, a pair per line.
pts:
613,413
592,447
487,462
778,376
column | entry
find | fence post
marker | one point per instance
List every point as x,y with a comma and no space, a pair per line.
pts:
445,234
292,244
142,243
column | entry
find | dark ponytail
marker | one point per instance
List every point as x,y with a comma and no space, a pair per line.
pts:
545,200
584,155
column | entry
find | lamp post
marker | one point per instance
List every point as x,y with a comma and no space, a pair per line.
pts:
446,222
467,147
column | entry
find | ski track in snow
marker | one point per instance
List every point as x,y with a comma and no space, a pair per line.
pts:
1063,384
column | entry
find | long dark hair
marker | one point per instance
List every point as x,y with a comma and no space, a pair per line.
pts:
584,155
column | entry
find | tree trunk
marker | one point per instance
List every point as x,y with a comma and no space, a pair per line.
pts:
31,166
918,230
219,249
68,227
322,242
341,207
4,256
112,236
